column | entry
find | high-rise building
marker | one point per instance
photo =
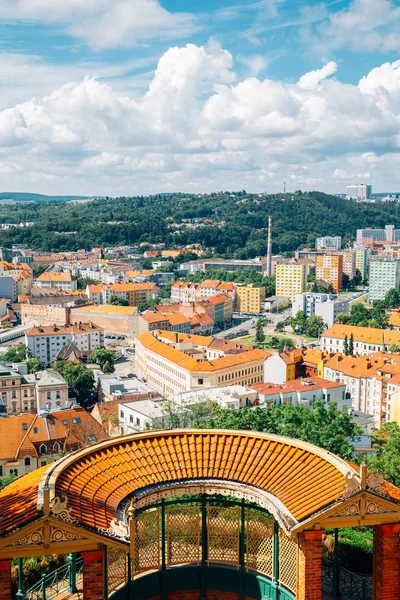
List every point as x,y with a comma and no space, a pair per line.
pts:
329,268
249,298
362,257
328,243
389,234
291,279
359,192
349,262
384,275
326,306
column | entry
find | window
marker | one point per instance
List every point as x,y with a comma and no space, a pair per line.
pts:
13,382
131,418
122,414
27,461
92,438
4,383
137,421
43,463
65,422
24,426
35,430
42,449
76,420
48,395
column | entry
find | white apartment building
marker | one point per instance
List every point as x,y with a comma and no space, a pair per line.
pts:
389,234
140,415
384,275
360,191
44,342
61,281
304,392
327,306
328,243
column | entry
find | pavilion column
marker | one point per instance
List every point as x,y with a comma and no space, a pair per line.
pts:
386,566
5,579
309,565
93,575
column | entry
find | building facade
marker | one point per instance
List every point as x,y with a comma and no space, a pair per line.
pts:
329,268
383,276
250,298
291,279
328,243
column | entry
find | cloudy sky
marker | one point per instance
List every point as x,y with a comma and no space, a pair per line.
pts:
144,96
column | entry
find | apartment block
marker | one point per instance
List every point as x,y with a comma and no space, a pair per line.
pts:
362,257
249,298
113,319
173,363
329,268
303,392
328,243
61,281
383,276
44,342
291,279
327,306
366,340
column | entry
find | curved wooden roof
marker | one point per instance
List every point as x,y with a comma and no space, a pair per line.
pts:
302,478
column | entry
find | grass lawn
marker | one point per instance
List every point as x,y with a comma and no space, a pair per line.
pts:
248,340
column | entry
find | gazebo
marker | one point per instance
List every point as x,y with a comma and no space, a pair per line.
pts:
198,514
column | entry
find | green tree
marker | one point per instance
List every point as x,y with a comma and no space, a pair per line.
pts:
285,344
108,367
315,326
394,348
15,354
80,381
118,301
358,314
346,346
33,365
351,345
343,319
386,460
83,282
346,282
102,356
322,425
260,337
299,322
392,299
6,480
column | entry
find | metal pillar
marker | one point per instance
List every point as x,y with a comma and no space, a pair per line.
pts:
275,582
20,595
72,573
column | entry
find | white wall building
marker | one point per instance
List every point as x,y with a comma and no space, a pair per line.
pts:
327,306
328,243
360,191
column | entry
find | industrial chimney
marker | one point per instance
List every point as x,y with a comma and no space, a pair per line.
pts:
269,251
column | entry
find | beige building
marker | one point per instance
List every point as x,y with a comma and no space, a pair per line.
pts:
21,392
249,298
173,363
291,279
113,319
366,340
61,281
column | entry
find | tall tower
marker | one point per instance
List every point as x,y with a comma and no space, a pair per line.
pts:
269,250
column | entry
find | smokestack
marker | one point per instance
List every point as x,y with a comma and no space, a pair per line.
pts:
269,250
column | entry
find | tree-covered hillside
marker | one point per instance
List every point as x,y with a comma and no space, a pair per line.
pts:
235,224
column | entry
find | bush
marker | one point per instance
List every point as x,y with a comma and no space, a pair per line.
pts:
355,548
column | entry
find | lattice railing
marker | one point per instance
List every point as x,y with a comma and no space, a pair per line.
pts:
223,527
116,568
183,535
287,561
259,542
147,541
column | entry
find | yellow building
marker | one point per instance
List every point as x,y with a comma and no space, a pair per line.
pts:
291,279
329,268
249,298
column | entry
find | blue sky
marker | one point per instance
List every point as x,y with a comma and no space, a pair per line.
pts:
118,96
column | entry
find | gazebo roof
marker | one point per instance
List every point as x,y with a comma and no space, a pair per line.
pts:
302,480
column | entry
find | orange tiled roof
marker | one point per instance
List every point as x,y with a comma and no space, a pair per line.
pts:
62,329
368,335
51,276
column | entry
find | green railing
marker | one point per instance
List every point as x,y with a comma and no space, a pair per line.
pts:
51,585
343,583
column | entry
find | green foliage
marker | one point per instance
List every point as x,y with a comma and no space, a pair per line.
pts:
280,326
260,336
104,358
315,326
33,365
15,354
323,426
240,276
233,224
283,344
392,299
6,480
142,306
118,301
80,380
351,345
387,445
299,322
394,348
83,282
346,346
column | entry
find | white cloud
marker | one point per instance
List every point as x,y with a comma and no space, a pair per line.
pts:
256,63
197,127
104,23
311,80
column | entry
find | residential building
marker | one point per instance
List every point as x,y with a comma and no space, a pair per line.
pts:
327,306
45,342
112,318
303,392
250,298
359,191
276,303
389,234
372,382
362,258
231,396
30,441
366,340
291,279
383,276
133,293
223,308
141,415
182,291
329,268
15,279
173,363
125,389
284,366
60,281
348,262
328,243
186,292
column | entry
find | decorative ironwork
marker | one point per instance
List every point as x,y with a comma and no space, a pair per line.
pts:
349,510
351,586
116,568
30,539
183,535
147,541
60,510
287,561
60,535
54,583
117,529
223,534
259,542
374,508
